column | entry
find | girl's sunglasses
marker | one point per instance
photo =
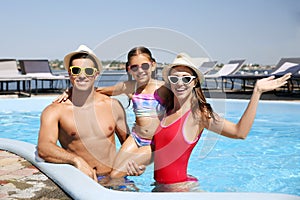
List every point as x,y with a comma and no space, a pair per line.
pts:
185,79
88,71
144,66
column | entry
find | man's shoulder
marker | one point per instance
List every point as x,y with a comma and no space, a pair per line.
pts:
104,99
55,107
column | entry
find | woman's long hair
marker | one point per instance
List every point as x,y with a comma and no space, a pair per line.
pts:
198,101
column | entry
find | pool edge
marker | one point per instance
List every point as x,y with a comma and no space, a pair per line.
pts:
79,186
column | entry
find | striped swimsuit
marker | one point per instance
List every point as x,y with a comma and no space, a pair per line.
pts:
146,105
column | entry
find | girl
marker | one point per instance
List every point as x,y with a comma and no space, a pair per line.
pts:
145,93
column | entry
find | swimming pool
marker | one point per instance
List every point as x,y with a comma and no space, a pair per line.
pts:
267,161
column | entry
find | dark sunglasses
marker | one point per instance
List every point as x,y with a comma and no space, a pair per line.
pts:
185,79
144,66
88,71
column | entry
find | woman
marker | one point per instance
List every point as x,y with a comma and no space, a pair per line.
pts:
186,117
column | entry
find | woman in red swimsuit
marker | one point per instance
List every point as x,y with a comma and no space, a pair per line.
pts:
186,117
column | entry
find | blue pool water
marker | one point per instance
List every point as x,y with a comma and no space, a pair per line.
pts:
267,161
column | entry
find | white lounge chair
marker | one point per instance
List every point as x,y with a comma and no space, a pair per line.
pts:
248,81
207,66
9,73
227,69
40,70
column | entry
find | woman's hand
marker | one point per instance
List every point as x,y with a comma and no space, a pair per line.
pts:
270,83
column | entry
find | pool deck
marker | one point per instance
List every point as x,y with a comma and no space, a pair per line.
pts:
19,179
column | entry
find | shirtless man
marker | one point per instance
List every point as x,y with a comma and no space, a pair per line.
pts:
85,124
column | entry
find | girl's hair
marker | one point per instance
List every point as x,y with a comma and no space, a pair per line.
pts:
198,101
136,51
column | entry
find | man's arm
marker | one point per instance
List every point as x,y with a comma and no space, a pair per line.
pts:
48,137
47,143
121,129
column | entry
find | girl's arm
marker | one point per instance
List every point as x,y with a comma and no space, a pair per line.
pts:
64,96
119,88
114,90
242,128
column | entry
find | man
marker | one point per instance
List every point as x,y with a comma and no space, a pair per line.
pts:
85,124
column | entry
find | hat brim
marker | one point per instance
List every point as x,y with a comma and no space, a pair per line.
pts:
69,56
167,68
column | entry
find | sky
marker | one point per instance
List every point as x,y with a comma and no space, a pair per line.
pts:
259,31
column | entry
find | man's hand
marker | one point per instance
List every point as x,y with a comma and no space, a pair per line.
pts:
133,169
83,166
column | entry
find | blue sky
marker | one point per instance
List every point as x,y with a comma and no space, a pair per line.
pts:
258,31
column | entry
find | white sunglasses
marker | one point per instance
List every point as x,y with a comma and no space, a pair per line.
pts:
185,79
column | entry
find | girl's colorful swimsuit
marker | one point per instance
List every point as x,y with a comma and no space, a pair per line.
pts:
146,105
172,153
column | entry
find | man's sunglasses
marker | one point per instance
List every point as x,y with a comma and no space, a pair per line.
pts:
144,66
185,79
88,71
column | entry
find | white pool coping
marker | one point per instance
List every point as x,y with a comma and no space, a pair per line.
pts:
79,186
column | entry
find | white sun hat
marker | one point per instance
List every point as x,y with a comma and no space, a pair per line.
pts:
182,59
82,49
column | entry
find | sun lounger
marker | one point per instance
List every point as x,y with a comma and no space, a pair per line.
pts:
227,69
40,71
207,66
284,66
9,73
